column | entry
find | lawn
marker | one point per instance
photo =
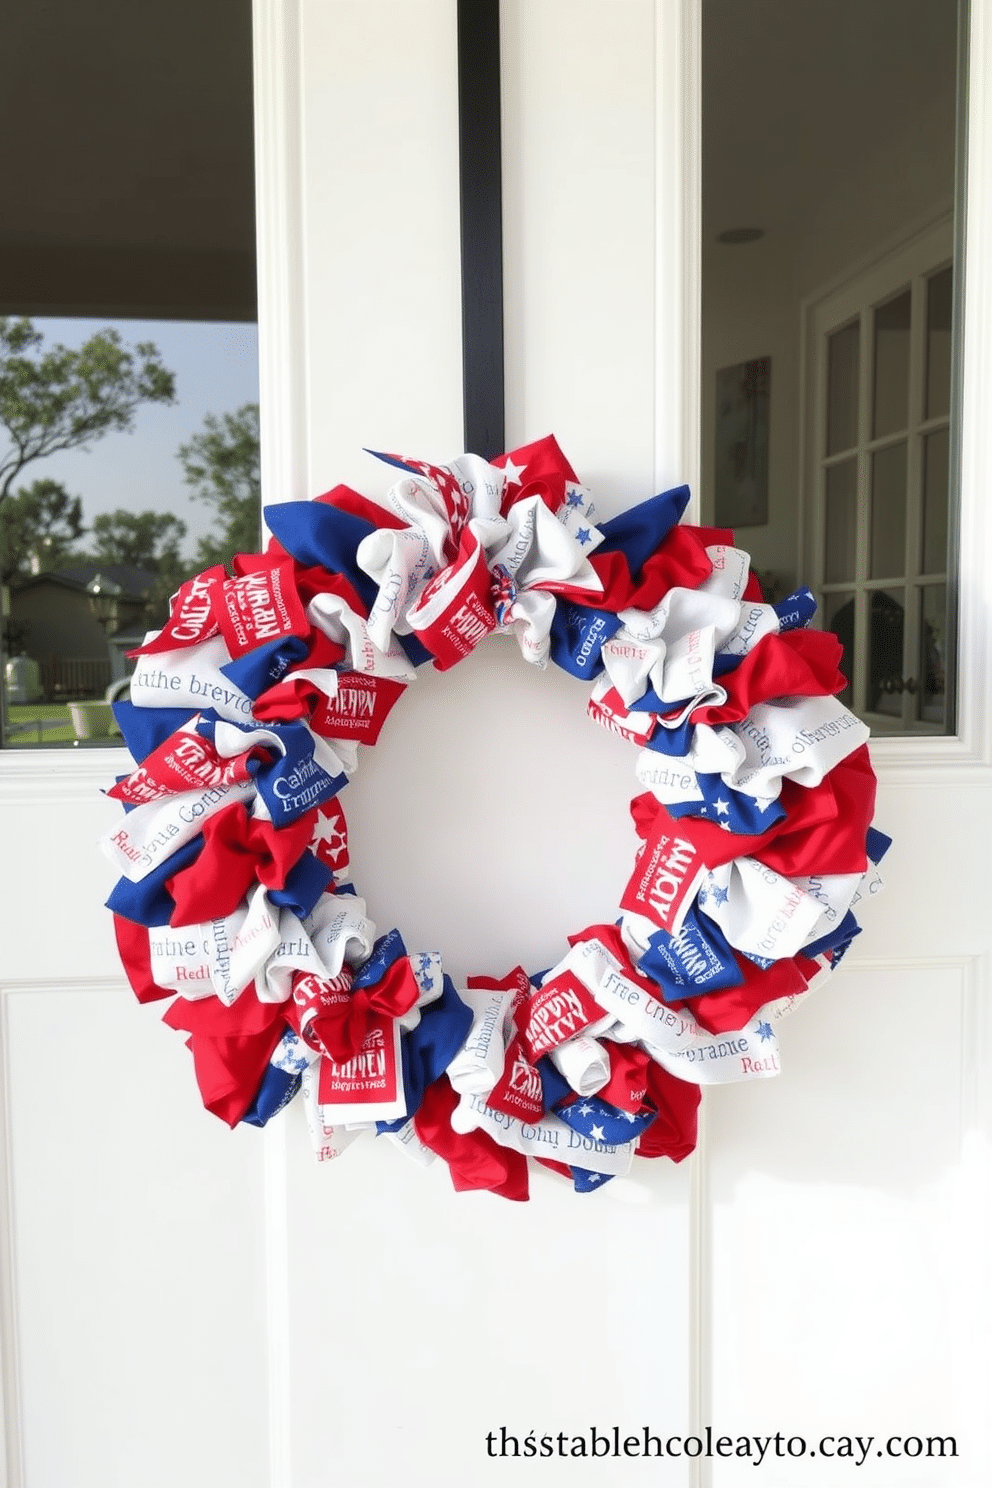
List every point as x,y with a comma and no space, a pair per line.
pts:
31,724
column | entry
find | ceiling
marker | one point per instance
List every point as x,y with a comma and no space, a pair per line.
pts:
795,92
126,165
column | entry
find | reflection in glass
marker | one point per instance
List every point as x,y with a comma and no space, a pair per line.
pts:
840,522
92,555
128,224
935,464
933,653
891,383
842,389
939,287
838,616
885,643
835,129
888,512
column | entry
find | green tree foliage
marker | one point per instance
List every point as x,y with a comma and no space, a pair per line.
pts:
39,527
150,540
146,539
221,467
59,398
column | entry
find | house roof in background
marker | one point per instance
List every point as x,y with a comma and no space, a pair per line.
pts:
19,586
135,583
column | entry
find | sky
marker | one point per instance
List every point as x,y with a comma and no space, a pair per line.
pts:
216,370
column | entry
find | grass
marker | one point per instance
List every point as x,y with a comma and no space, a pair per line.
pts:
52,725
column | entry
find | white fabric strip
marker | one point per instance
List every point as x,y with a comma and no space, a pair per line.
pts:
731,568
328,1139
151,833
339,932
421,505
758,910
530,619
218,957
479,1063
329,613
294,952
241,945
584,1063
538,549
190,677
549,1137
754,623
672,1036
401,561
180,959
802,738
428,974
799,739
407,1140
834,893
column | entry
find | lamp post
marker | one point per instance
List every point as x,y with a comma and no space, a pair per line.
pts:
103,596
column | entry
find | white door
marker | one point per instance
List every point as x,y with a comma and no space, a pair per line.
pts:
186,1305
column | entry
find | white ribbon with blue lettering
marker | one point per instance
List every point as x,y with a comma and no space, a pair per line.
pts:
479,1063
189,677
672,1036
549,1137
151,833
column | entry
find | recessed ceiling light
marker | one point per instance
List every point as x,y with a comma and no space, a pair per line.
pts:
740,235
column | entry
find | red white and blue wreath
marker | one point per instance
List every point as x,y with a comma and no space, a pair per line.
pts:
246,713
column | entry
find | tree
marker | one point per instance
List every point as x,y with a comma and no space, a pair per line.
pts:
146,539
63,399
221,467
38,528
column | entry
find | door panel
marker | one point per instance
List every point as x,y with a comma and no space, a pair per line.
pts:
137,1237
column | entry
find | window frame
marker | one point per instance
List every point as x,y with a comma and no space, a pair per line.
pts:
909,265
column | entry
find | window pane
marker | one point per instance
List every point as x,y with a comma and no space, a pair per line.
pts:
935,455
841,532
891,382
127,240
931,698
939,289
838,616
885,638
888,513
829,138
843,351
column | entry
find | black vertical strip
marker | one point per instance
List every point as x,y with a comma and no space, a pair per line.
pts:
480,179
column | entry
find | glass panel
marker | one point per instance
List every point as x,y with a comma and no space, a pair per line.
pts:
886,627
840,522
888,513
935,456
931,698
891,382
843,289
843,350
127,298
838,616
938,401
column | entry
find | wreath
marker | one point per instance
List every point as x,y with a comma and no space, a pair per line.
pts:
246,713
